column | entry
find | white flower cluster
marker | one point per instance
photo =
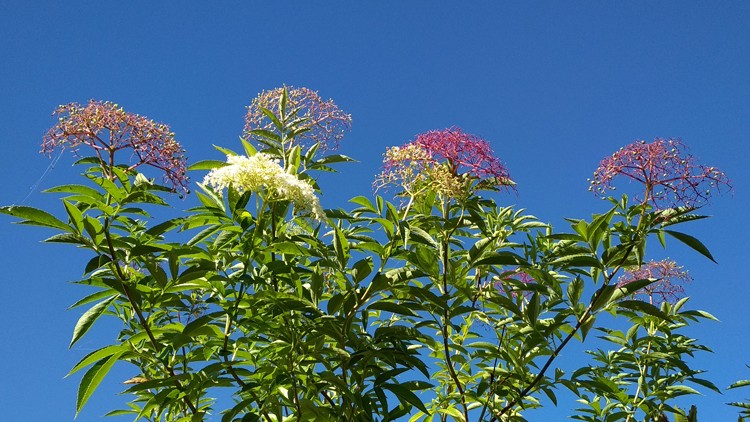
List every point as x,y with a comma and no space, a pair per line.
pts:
261,172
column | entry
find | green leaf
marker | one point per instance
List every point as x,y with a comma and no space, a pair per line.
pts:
272,116
192,329
392,307
478,249
88,319
207,165
336,158
289,248
587,325
364,202
75,215
249,148
93,297
341,246
738,384
92,378
501,258
77,189
406,395
67,238
692,242
225,151
262,133
682,389
362,269
96,356
645,307
421,236
577,260
164,227
35,217
611,293
575,288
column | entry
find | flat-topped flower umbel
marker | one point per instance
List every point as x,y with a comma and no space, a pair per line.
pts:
261,173
323,122
668,288
107,128
447,161
671,176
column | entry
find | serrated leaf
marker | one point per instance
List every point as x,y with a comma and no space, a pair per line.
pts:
77,189
35,217
249,148
392,307
225,151
88,319
93,297
364,202
341,246
96,356
207,165
336,158
645,307
406,395
423,237
575,288
692,242
740,383
92,378
501,258
66,238
587,325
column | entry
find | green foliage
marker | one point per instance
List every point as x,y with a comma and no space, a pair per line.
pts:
436,309
744,405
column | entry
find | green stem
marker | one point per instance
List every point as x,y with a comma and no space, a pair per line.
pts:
446,315
122,278
582,320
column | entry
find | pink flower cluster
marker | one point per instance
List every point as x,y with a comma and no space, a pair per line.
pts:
671,176
325,121
464,153
107,128
445,160
668,288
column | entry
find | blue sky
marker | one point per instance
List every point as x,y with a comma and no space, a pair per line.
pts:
553,86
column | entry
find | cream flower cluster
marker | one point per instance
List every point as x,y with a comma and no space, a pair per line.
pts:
261,172
412,168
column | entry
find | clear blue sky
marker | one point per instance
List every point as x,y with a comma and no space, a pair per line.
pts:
554,86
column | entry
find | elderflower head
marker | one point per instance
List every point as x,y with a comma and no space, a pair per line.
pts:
107,128
446,161
325,122
671,177
262,173
670,280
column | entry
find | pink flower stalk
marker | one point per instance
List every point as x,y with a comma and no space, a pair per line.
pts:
444,160
326,122
107,128
671,176
668,288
